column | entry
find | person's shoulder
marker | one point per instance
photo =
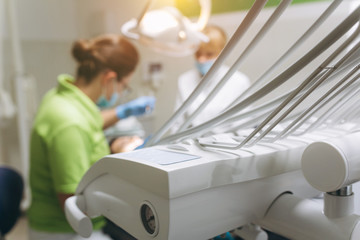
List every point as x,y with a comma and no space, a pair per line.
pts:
238,77
188,76
56,109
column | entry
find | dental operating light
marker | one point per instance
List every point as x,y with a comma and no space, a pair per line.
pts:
167,31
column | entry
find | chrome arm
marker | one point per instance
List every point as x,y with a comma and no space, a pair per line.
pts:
267,26
322,46
290,51
332,93
302,86
244,26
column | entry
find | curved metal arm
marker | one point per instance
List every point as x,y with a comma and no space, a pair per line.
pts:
323,45
267,26
339,108
204,14
244,26
313,108
305,95
292,49
81,223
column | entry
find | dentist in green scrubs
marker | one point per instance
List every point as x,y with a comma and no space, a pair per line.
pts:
67,136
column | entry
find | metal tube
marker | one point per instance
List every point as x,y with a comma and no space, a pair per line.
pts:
330,39
319,107
336,108
267,26
327,74
205,11
244,26
269,107
344,191
353,112
307,112
292,49
143,12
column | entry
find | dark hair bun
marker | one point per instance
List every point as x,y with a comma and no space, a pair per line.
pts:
81,51
105,52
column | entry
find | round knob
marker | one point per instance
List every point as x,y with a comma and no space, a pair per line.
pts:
332,164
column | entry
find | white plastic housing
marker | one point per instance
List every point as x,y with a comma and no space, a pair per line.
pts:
332,164
338,206
76,217
193,193
300,219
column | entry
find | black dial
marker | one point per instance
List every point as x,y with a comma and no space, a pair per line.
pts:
148,218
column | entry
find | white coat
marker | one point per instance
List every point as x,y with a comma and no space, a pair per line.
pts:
188,81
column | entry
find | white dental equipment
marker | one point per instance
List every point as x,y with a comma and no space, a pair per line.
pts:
167,31
250,166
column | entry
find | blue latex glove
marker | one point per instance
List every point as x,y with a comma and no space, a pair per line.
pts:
136,107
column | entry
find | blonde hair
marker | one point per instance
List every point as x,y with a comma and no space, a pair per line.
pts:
217,39
109,51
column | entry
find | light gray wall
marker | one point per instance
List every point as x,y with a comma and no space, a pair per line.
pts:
48,28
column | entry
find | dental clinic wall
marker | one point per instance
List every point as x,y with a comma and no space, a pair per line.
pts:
48,28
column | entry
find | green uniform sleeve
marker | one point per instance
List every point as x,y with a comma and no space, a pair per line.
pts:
69,158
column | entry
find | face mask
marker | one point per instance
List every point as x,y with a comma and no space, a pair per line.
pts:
102,102
205,66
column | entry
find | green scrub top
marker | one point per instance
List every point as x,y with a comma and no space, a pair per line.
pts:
66,139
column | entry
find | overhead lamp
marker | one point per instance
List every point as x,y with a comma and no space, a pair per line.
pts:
167,31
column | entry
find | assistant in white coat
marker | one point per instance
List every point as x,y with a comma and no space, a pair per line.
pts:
205,56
